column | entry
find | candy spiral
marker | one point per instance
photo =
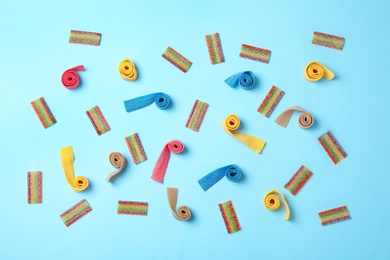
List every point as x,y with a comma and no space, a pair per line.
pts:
175,146
314,71
232,123
80,183
70,78
127,70
233,173
162,100
118,161
247,80
305,120
272,202
183,212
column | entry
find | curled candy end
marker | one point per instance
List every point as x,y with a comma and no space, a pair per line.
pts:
232,122
80,183
175,146
162,101
184,213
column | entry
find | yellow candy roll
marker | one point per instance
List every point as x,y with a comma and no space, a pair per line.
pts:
127,70
232,123
272,202
314,71
78,183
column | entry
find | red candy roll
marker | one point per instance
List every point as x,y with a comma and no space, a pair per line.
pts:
70,78
174,146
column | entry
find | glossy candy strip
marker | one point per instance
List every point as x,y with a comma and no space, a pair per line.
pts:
127,70
183,212
75,213
197,114
178,60
136,149
298,180
132,208
314,71
255,53
246,80
34,187
43,112
334,215
272,202
270,101
78,183
81,37
229,217
98,121
215,49
332,147
305,119
231,124
161,100
174,146
328,40
118,161
232,172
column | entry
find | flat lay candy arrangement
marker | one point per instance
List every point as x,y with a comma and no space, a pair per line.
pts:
127,69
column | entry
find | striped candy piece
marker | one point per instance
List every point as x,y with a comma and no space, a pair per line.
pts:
298,180
332,147
34,187
98,121
270,101
255,53
177,59
136,149
132,207
43,112
197,114
334,215
328,40
215,49
81,37
75,213
229,217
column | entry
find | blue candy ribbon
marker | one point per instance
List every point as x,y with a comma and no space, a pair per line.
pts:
245,80
161,100
232,173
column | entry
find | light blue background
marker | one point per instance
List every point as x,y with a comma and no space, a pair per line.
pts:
34,52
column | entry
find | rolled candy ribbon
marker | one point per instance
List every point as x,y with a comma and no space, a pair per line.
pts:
161,100
314,71
272,202
78,183
232,123
70,78
174,146
183,212
127,70
246,80
305,120
232,173
118,161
